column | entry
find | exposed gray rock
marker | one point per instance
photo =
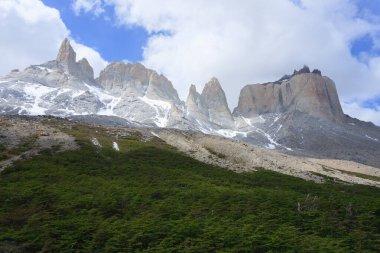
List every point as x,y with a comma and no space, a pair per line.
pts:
145,96
120,77
196,106
85,70
306,92
302,134
216,102
162,89
67,57
209,110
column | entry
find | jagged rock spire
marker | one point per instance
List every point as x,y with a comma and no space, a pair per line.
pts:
85,69
216,101
67,56
196,105
214,94
67,59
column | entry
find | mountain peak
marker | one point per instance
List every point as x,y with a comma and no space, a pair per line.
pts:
213,88
66,55
214,82
304,70
85,69
192,89
214,91
304,92
216,101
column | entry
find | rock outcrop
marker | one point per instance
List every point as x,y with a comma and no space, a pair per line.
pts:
216,102
137,80
67,59
304,92
122,77
210,107
196,107
85,70
145,96
67,56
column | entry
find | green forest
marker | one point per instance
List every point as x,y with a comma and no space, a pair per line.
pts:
150,197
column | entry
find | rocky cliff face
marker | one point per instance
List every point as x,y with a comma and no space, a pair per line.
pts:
216,102
119,77
304,92
210,107
144,95
66,58
196,107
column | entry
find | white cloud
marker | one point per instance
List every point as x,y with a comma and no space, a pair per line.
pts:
355,110
249,41
31,33
94,6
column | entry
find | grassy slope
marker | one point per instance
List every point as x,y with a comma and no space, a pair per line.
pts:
150,198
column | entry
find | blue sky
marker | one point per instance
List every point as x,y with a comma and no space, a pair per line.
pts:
114,42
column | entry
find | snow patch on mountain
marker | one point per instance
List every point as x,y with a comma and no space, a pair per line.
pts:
371,138
230,133
162,109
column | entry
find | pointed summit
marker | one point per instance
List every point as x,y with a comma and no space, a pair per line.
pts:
213,92
85,69
194,94
196,106
192,89
214,82
66,56
216,101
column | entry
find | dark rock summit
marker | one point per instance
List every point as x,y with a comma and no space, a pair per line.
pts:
304,70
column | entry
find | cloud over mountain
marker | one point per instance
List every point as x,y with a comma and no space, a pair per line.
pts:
244,42
239,42
31,32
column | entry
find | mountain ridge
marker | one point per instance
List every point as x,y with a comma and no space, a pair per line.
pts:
300,113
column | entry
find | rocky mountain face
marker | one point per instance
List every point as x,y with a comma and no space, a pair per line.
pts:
67,59
65,87
304,92
216,101
196,107
299,114
143,95
209,109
